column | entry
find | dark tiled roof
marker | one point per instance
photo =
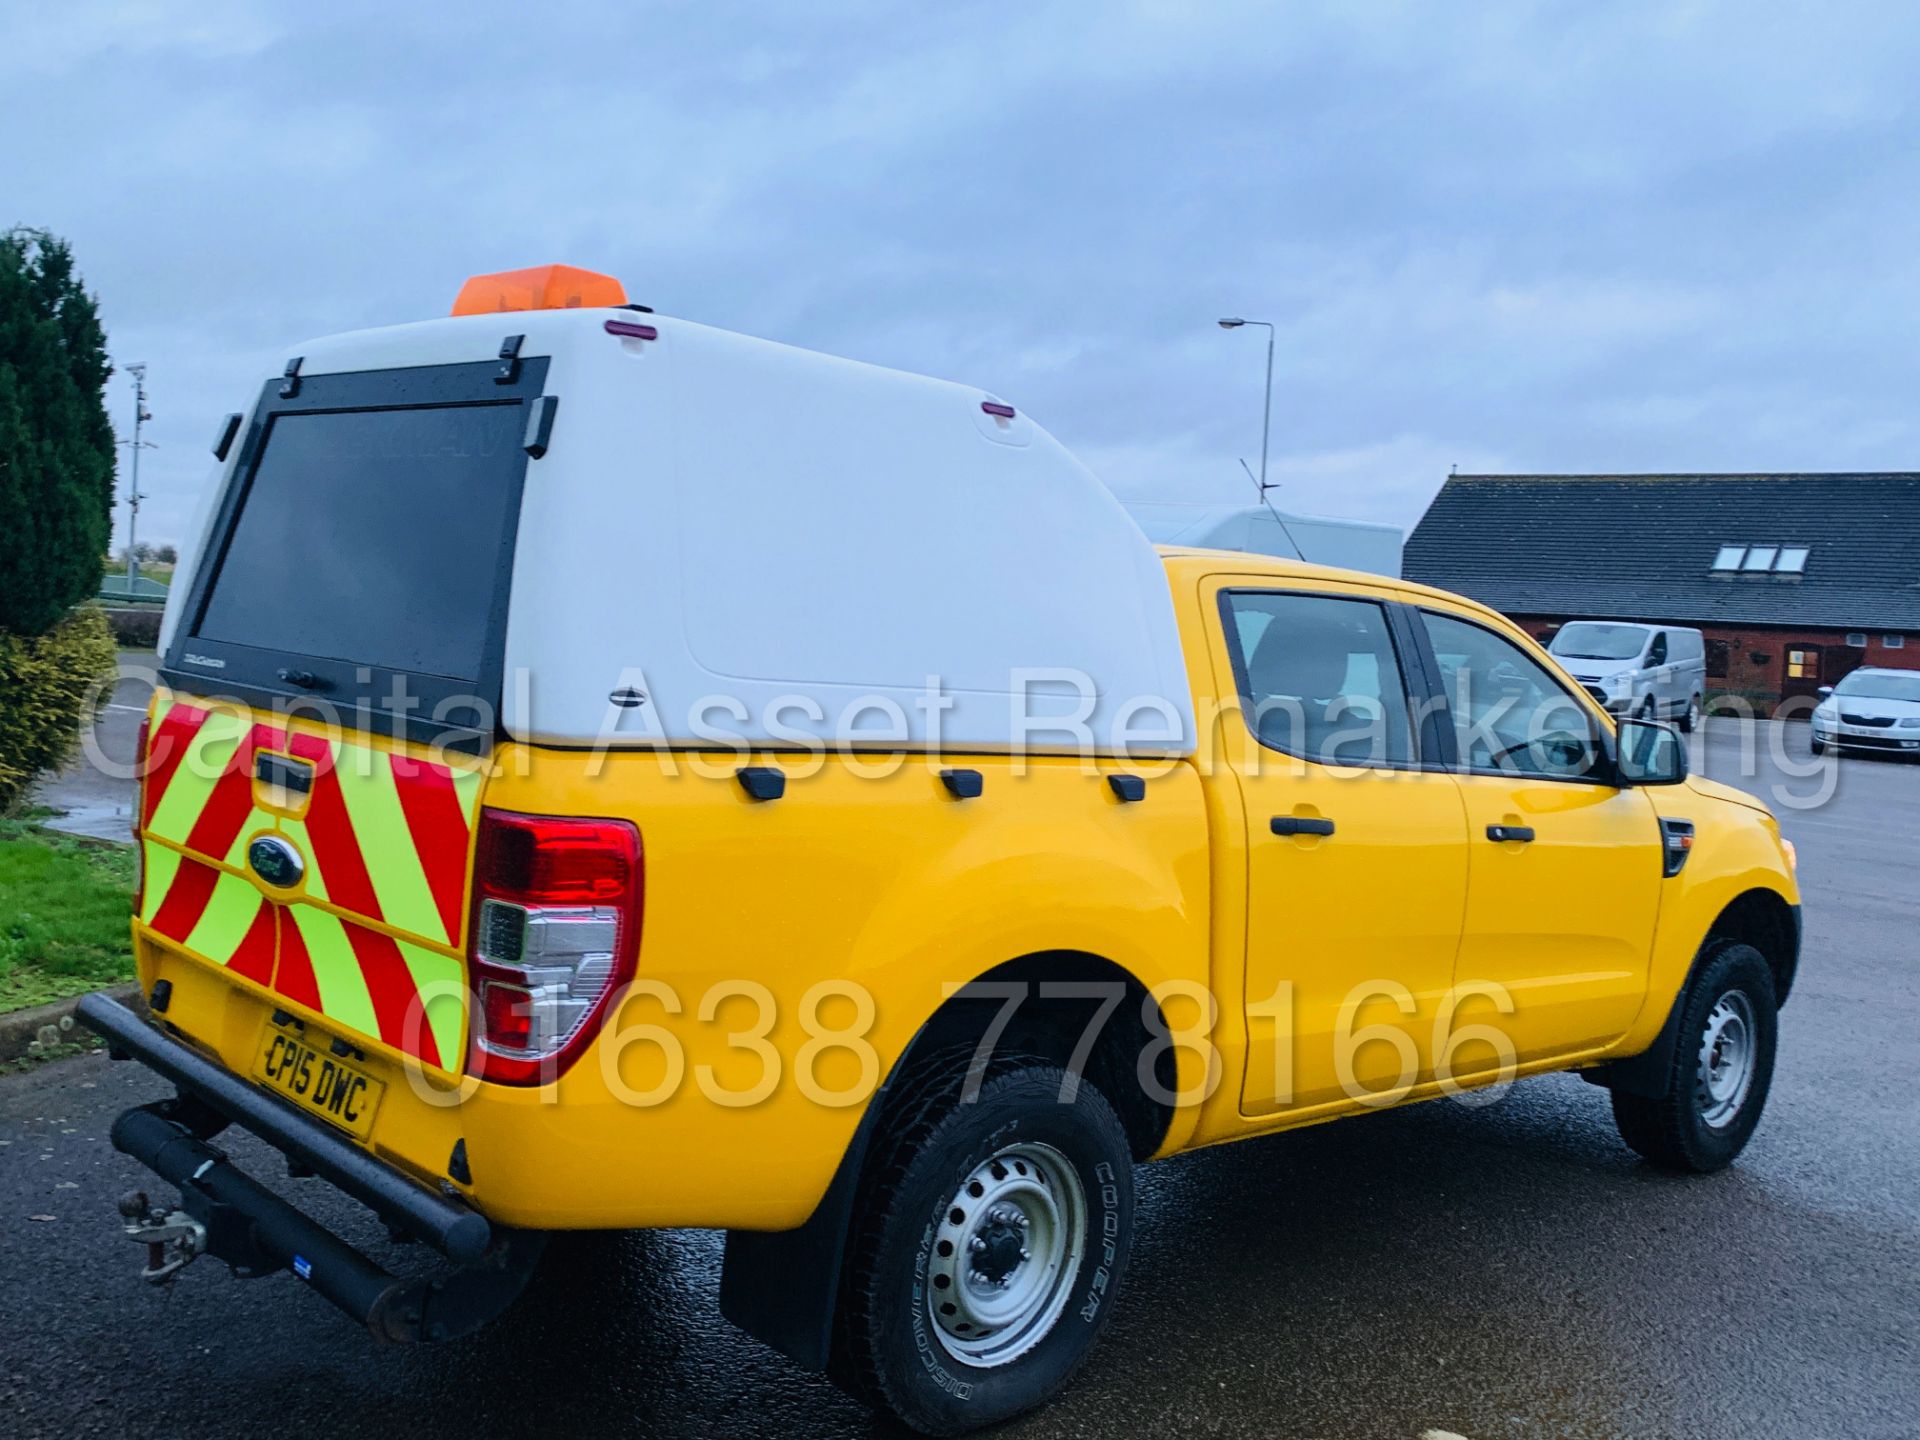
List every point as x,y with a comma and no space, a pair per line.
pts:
1643,546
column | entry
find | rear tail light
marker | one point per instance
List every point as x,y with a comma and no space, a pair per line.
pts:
555,935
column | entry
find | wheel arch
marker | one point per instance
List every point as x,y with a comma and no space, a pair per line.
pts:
1759,917
1763,919
1050,1026
783,1287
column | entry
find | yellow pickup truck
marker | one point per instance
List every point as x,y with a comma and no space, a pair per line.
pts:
610,773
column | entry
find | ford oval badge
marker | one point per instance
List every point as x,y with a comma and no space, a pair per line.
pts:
275,861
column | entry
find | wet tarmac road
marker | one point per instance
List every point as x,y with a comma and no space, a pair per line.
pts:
1504,1271
94,791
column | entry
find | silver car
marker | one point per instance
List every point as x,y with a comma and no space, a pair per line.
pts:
1656,672
1871,709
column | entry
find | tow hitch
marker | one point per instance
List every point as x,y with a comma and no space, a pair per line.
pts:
226,1213
173,1238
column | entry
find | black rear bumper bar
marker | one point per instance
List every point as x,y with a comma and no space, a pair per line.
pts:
257,1232
450,1227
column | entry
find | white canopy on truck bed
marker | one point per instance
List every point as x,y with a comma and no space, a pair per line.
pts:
764,543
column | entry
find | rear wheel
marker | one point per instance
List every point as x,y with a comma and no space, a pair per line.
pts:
990,1242
1691,716
1722,1069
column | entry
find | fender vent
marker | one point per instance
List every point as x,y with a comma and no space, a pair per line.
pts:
1677,836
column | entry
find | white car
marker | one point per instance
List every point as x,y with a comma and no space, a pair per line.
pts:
1871,709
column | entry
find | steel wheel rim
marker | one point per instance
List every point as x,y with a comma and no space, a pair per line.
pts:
1728,1056
1007,1248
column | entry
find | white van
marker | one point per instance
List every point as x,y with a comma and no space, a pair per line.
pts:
1653,671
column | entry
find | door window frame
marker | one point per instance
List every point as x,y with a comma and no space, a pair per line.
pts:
1413,676
1440,710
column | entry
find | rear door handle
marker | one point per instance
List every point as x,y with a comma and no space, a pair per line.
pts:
1522,833
1301,825
279,770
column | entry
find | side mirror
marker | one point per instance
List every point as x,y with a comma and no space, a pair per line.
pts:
1824,692
1650,754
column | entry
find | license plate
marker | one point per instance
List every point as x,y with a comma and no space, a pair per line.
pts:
323,1084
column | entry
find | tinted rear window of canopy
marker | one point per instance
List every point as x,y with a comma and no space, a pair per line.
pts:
370,538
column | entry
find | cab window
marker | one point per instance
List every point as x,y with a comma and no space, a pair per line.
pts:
1657,652
1319,677
1509,715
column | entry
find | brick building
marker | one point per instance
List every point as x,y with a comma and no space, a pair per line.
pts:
1794,579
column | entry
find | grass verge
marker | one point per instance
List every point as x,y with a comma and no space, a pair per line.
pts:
64,906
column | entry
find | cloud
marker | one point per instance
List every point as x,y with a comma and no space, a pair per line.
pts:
1640,236
53,40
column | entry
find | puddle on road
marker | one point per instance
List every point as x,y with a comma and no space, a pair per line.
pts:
106,820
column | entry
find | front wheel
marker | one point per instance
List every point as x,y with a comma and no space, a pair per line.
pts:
1722,1069
990,1244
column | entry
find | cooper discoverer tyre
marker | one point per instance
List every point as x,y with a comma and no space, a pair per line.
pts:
987,1250
1722,1068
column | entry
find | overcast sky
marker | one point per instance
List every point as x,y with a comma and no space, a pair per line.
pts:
1511,237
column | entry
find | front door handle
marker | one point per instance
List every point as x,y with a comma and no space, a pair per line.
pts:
1522,833
1301,825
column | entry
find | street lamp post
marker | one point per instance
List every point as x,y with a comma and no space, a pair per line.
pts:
1266,423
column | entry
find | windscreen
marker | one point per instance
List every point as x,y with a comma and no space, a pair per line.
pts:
1585,640
373,537
1881,686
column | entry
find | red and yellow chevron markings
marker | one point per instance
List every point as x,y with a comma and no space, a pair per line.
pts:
370,937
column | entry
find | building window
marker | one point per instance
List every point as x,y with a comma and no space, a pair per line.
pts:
1719,653
1803,664
1857,639
1894,642
1760,559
